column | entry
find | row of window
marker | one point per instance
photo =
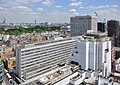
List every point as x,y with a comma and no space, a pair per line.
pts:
45,53
61,56
42,70
41,56
44,47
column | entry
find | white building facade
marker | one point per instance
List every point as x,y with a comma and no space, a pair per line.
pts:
80,24
93,53
36,59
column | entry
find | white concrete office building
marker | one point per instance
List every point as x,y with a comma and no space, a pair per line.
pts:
93,51
36,59
80,24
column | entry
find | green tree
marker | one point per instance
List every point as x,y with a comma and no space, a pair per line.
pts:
2,30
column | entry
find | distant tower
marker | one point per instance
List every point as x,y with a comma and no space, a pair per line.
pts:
35,21
4,21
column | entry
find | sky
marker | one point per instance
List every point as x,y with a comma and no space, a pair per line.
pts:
56,11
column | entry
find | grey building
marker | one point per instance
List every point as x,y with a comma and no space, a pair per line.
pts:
36,59
80,24
101,27
113,28
113,31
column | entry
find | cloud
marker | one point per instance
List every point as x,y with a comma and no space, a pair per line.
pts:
48,2
58,6
103,6
4,12
1,8
73,0
33,13
81,7
26,1
40,9
115,6
73,11
22,9
75,4
109,14
59,17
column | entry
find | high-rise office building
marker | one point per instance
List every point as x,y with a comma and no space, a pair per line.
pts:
36,59
101,26
93,51
113,28
1,72
80,24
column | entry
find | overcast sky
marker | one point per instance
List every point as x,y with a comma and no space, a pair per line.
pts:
56,10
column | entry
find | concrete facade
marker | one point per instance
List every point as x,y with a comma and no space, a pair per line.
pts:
36,59
80,24
94,54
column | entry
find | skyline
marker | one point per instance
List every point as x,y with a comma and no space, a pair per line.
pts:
56,10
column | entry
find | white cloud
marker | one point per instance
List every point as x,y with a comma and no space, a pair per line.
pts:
48,2
59,16
115,6
41,9
58,6
73,11
1,8
75,4
109,14
34,13
4,12
73,0
103,6
22,9
81,7
26,1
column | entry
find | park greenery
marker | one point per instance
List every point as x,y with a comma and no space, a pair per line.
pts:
21,30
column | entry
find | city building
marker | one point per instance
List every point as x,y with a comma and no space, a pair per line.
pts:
117,53
1,72
101,27
10,63
113,28
35,59
65,30
80,24
93,52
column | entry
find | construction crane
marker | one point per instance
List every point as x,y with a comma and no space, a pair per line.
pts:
102,21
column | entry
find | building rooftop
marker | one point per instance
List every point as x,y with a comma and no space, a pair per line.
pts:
94,37
29,45
85,16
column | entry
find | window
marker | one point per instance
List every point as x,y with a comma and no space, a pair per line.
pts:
106,50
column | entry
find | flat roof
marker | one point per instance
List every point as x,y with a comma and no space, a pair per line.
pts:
44,43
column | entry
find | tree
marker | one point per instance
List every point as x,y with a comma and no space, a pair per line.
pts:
2,30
